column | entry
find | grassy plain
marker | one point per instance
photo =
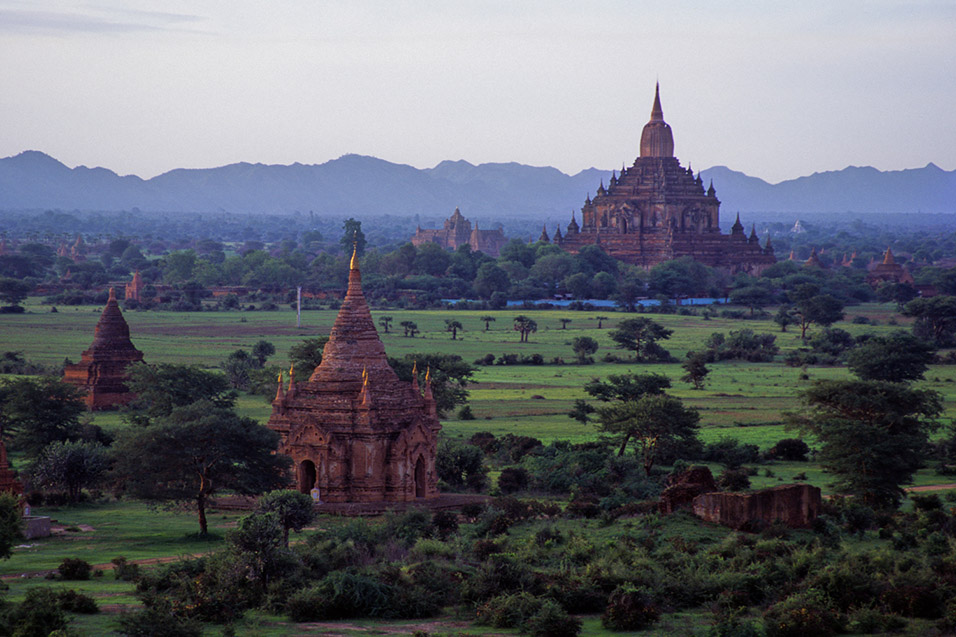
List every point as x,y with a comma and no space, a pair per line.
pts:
745,401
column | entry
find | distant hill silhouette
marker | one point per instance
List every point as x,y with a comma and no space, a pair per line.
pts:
358,185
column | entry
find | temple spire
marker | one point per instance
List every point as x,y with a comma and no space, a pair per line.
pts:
354,263
657,113
280,394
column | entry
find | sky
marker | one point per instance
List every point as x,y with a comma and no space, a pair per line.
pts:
775,89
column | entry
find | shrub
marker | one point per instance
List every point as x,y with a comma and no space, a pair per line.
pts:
158,621
552,621
731,452
731,480
513,479
74,569
630,608
802,614
869,621
73,602
509,610
445,523
465,413
790,449
38,614
125,570
341,595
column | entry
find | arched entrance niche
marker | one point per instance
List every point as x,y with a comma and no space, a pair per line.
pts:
306,476
420,478
623,225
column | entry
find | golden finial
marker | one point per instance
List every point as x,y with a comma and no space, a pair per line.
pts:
428,374
354,265
415,369
291,370
280,378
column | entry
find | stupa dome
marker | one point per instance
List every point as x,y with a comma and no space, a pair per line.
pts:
657,140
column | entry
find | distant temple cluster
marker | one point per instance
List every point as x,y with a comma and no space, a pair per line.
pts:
657,210
458,232
886,271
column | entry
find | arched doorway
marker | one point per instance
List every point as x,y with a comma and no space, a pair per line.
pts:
306,476
420,478
623,225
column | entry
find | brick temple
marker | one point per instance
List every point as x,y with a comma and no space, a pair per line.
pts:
658,210
355,432
889,271
457,231
101,372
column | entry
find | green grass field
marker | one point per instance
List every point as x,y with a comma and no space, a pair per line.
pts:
745,401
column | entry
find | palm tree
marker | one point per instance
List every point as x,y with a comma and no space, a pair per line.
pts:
411,328
564,323
385,321
452,326
525,326
600,320
487,320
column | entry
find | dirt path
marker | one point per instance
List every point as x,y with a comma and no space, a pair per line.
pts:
108,566
932,487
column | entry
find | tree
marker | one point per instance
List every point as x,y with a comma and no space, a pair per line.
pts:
307,355
784,317
491,279
641,336
385,321
600,320
36,412
196,451
564,322
488,320
584,347
752,296
162,388
460,465
696,369
872,434
237,367
524,326
813,308
11,524
451,325
262,351
449,375
12,291
900,293
294,510
898,358
935,317
352,237
650,423
411,328
70,466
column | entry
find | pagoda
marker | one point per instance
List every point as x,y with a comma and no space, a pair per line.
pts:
889,271
101,372
657,210
355,432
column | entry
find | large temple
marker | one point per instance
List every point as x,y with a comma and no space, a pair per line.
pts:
457,231
355,432
658,210
101,372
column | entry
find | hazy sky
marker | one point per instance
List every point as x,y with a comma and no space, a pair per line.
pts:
775,89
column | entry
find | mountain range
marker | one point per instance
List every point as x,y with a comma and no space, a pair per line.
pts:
355,185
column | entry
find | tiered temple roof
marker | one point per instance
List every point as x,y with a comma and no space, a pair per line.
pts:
354,430
657,210
101,372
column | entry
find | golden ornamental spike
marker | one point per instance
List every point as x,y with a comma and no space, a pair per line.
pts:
354,264
280,378
415,370
428,374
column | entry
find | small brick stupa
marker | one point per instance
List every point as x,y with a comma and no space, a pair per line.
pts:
888,272
101,372
355,432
